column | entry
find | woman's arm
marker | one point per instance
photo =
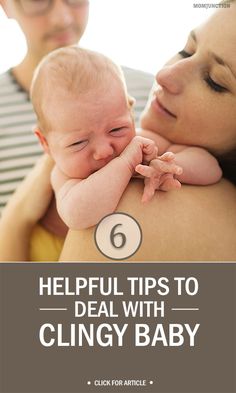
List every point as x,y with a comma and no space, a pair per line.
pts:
25,208
191,224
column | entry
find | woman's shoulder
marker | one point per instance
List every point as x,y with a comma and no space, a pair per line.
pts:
212,196
195,223
218,199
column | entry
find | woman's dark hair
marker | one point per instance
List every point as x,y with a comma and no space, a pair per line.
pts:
227,160
227,1
227,163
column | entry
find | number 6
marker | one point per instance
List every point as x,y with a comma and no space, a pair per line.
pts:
113,235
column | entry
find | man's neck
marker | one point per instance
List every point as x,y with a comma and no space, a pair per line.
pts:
24,72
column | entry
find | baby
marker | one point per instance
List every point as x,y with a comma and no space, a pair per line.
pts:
85,122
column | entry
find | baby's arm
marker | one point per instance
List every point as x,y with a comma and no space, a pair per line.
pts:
82,203
199,166
161,142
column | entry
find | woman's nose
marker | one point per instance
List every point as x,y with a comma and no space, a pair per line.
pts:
102,151
173,77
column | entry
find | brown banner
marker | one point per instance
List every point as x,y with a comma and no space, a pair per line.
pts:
123,327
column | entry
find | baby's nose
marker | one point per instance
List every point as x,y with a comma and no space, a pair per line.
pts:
103,151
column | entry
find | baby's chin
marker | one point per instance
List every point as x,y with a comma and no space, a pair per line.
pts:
84,174
74,174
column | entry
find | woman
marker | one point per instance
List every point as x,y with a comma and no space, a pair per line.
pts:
193,104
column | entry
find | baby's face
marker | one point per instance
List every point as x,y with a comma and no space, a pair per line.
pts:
89,130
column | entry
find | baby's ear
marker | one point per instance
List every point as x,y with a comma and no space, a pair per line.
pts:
42,139
131,101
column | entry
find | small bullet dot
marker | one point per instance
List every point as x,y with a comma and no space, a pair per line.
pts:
151,382
89,383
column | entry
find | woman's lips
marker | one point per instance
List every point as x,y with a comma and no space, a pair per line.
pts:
160,108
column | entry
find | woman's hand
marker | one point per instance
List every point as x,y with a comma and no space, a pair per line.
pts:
25,208
35,192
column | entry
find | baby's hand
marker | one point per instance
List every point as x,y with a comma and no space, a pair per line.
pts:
139,150
150,150
159,175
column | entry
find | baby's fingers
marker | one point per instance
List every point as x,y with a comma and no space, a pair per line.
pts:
170,184
144,170
168,156
175,169
148,192
150,152
169,167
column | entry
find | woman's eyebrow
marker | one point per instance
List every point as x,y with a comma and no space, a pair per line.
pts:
217,58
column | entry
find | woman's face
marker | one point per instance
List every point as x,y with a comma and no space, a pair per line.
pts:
194,101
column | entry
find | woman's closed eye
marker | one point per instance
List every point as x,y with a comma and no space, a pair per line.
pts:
214,85
183,53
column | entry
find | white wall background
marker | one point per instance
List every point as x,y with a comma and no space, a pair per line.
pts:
141,34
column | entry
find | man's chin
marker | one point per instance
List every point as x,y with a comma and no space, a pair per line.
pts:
62,44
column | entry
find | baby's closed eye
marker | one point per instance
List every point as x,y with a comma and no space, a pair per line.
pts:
79,145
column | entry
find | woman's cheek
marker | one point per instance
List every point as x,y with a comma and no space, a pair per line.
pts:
148,120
